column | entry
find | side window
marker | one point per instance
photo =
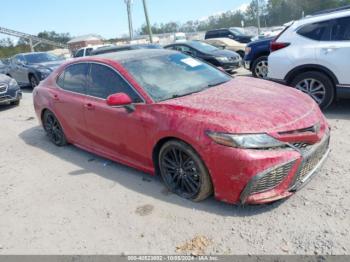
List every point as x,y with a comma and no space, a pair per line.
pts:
104,81
88,51
60,80
183,49
340,31
80,53
316,31
74,78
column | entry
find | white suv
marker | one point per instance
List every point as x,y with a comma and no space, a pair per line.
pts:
313,55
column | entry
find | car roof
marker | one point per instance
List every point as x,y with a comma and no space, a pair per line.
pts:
132,55
322,17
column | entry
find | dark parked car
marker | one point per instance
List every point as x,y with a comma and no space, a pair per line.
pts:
31,68
3,67
10,92
112,49
226,59
256,55
229,33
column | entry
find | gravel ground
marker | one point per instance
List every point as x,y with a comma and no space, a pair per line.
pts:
67,201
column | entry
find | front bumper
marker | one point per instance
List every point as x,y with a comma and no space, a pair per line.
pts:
10,97
300,171
231,66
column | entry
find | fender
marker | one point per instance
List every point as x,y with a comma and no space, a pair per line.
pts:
311,67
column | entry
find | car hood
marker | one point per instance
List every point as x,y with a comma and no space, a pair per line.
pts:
4,78
247,105
47,65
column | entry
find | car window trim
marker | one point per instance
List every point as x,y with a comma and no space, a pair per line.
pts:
89,63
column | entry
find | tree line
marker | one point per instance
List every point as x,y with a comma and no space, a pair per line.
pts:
272,13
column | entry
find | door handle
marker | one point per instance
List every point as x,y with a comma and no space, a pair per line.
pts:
330,49
89,106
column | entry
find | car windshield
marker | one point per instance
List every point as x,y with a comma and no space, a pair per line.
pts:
174,75
203,47
40,58
236,31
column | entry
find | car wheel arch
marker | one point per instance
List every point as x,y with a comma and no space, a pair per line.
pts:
258,56
308,68
161,142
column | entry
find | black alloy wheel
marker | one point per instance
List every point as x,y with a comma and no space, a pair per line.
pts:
184,172
53,129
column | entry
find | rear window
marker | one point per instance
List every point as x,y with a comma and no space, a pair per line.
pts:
316,31
340,30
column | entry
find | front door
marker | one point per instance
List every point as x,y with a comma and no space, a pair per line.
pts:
114,132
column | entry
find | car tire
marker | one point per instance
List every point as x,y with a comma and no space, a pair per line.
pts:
241,53
54,129
33,81
317,85
16,103
260,67
183,171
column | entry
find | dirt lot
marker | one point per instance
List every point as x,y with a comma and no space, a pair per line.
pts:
67,201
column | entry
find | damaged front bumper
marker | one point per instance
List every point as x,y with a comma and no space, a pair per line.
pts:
283,180
8,98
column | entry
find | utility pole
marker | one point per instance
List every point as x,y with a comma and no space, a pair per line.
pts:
147,21
258,15
128,7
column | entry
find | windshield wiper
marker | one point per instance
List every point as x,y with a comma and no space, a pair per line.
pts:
187,94
217,84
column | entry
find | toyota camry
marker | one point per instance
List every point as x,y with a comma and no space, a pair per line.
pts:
204,132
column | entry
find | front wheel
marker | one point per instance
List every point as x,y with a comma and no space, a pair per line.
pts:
183,172
54,129
317,85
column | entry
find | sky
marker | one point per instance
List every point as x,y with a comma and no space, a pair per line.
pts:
107,18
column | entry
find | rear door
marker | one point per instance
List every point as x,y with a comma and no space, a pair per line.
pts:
334,52
112,130
69,101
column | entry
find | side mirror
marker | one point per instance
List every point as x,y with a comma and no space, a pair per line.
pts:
231,36
121,100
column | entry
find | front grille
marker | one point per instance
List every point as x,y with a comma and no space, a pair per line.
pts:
271,179
3,88
302,146
311,161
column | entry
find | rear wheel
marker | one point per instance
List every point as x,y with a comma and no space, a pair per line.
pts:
33,81
184,172
53,129
260,67
317,85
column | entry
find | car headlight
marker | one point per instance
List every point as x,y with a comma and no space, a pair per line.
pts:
222,59
13,83
248,141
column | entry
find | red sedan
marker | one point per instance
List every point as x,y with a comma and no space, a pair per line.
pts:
245,140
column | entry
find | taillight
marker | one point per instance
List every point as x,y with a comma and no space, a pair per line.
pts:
274,46
247,50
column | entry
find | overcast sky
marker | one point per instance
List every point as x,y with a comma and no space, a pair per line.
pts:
105,17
